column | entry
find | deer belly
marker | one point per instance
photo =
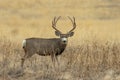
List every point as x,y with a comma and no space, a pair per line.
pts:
43,52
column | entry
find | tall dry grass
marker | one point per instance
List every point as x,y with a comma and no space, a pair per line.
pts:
90,60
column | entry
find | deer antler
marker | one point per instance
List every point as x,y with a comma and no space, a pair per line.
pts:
73,22
54,23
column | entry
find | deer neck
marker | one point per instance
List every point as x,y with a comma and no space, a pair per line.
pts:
63,45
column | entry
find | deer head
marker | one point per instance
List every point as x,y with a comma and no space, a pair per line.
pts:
63,37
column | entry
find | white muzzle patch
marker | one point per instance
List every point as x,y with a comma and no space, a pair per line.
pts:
64,40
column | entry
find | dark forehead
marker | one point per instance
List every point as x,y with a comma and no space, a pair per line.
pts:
63,35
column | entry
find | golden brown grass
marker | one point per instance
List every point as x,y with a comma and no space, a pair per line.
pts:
93,53
90,61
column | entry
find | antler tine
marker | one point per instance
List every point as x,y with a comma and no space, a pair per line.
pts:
54,19
70,19
54,23
73,22
57,19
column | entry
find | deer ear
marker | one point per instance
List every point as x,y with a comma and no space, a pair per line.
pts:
57,33
71,34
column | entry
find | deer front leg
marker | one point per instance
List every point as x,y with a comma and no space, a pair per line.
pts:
53,60
56,57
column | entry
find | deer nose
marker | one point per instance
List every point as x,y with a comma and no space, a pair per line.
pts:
64,41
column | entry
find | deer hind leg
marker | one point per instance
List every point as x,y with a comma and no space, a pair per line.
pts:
23,60
26,56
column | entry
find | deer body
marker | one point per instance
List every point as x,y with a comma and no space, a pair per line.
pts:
43,47
47,47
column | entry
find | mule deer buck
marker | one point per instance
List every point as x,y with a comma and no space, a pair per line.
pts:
48,47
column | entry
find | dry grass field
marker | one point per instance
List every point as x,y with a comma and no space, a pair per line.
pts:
93,53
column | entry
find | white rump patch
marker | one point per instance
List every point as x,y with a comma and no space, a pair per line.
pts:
24,43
